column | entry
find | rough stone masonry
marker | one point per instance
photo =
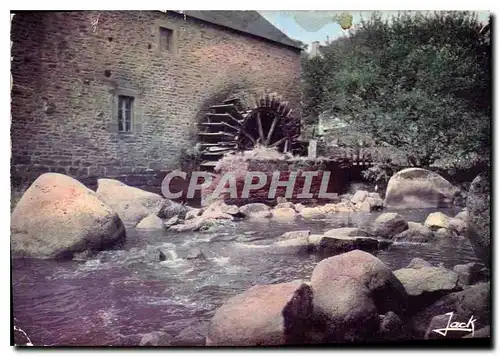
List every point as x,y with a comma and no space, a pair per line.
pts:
70,68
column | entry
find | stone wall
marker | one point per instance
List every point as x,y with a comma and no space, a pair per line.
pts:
68,69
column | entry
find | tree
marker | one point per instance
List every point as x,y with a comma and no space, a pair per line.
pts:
418,82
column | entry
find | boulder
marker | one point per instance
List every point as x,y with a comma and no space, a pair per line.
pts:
285,205
298,207
156,338
459,226
192,213
297,243
263,315
478,210
342,207
189,225
359,196
150,222
255,210
416,233
417,281
219,210
58,216
443,233
283,213
364,206
437,220
389,225
344,312
418,263
329,246
374,201
424,230
472,301
416,188
312,213
291,235
132,204
172,221
169,209
439,322
350,291
481,333
462,216
391,327
346,231
195,254
281,200
470,273
194,335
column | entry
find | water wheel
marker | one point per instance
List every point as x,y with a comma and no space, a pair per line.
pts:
234,126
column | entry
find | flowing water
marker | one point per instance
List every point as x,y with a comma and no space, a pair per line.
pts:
117,296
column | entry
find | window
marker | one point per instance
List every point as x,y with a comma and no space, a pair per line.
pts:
125,112
166,37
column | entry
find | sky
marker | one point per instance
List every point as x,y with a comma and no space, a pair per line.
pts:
309,26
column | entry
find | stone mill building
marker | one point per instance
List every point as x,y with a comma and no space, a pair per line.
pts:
119,93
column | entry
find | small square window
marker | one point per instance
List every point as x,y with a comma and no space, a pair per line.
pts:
125,113
166,38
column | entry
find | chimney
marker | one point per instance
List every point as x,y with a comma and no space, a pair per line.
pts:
314,49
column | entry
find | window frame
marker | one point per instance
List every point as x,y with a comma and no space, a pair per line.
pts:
125,99
135,114
170,39
173,50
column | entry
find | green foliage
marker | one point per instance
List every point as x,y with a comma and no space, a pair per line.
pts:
420,83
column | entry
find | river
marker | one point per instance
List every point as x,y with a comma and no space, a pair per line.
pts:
117,296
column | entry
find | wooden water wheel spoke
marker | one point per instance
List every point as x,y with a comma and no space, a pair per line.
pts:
248,136
277,143
259,126
271,130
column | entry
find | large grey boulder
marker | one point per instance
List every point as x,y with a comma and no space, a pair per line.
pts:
58,216
132,204
329,246
416,233
350,291
417,188
264,315
479,215
418,281
151,222
389,225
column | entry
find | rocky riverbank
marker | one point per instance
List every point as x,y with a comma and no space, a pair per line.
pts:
354,297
